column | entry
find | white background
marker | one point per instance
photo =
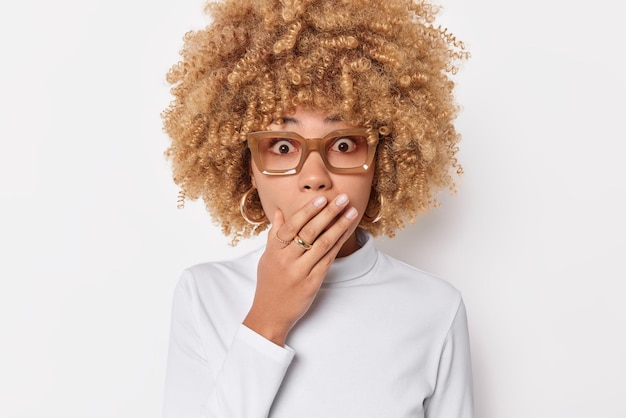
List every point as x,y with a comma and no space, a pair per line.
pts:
92,243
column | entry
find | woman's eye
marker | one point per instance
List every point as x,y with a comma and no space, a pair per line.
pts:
344,145
282,146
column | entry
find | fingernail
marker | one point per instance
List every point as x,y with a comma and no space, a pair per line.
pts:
319,202
351,213
341,199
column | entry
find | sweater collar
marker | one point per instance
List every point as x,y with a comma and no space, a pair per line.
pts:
356,264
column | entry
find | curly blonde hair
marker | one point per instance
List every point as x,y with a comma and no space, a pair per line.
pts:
381,64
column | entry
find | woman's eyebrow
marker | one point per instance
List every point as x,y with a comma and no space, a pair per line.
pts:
289,120
293,121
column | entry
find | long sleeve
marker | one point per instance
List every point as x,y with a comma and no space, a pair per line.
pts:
452,397
204,381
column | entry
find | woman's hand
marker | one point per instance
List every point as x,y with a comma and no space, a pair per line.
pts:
288,276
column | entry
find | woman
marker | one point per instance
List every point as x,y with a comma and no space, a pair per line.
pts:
328,122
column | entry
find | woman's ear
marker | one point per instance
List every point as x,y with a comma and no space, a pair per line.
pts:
251,174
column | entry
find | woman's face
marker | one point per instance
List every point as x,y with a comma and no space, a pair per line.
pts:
291,192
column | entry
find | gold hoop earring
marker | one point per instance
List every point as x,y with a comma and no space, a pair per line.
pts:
244,212
379,214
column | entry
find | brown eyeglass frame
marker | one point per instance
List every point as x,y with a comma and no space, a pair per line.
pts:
309,145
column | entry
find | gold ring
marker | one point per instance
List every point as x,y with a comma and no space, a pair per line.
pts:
281,240
303,244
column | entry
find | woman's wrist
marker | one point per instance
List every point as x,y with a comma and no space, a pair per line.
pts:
272,332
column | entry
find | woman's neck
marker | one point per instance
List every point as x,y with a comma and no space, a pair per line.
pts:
350,246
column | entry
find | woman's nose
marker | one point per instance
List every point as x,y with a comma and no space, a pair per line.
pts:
314,174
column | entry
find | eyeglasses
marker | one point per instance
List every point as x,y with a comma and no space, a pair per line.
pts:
284,153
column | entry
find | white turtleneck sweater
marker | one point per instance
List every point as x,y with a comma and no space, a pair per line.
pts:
382,339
